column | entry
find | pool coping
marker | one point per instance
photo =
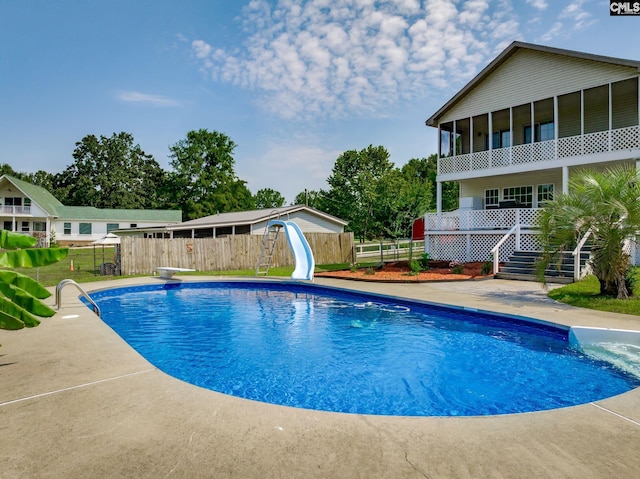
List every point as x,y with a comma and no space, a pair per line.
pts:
77,401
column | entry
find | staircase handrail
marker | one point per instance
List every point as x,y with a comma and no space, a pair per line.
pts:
576,255
495,251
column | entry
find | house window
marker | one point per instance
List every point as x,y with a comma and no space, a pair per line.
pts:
544,131
85,228
8,225
67,229
24,227
133,225
491,198
501,139
112,226
545,193
522,195
39,226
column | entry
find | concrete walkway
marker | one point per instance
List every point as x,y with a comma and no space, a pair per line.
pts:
77,402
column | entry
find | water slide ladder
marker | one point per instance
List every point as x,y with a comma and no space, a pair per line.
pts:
269,240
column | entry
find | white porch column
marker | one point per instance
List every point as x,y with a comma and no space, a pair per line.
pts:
439,142
610,115
510,135
565,180
439,197
490,138
556,126
47,232
454,146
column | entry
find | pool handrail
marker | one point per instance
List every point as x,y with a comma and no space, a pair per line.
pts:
63,283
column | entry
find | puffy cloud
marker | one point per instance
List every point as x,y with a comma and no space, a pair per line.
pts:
539,4
334,57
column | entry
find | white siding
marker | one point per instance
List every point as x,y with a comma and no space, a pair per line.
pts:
307,222
530,75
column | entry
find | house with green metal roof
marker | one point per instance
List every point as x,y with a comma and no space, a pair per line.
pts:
32,210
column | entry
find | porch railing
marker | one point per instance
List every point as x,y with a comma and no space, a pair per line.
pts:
590,144
497,219
15,210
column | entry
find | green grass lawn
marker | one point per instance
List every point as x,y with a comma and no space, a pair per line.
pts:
585,294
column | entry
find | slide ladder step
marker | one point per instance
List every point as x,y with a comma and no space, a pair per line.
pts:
269,240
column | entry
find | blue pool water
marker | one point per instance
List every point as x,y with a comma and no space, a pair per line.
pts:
319,348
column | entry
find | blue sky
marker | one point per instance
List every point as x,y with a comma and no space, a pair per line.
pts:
293,83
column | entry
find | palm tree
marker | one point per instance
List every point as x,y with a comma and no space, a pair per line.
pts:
605,204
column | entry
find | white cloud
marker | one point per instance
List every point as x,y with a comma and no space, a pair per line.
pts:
539,4
322,58
144,98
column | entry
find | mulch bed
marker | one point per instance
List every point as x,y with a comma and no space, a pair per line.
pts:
400,272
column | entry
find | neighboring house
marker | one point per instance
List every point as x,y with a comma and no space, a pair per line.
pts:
252,222
514,135
32,210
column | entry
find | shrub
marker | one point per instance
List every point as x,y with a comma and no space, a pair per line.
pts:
487,267
415,266
456,267
424,262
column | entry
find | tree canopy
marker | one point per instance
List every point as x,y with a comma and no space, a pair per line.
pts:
203,181
109,172
268,198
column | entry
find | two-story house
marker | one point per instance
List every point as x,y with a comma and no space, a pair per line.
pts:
514,135
32,210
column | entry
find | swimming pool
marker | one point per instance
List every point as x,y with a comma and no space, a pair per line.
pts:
315,347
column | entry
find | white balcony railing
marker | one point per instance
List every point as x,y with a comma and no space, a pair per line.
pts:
15,210
590,144
466,220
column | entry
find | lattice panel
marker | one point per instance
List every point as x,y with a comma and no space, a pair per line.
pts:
444,222
480,160
477,247
530,242
528,216
570,146
500,157
449,247
446,165
625,138
522,154
543,151
596,142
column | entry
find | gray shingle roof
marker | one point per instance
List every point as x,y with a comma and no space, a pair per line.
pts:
251,217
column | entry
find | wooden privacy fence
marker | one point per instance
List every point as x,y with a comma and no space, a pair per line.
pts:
143,255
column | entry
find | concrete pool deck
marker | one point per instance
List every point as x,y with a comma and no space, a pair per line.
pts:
77,402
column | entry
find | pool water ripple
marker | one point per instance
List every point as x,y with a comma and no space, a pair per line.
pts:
316,348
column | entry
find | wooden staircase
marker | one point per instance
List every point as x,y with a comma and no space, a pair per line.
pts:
522,266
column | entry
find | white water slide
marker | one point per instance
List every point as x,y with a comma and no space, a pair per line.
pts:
302,254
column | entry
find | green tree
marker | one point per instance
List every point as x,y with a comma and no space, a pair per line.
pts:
604,204
110,173
355,188
426,169
406,197
268,198
203,181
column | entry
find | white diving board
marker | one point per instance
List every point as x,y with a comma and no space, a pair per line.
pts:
167,272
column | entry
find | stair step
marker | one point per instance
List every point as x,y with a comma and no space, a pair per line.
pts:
531,277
